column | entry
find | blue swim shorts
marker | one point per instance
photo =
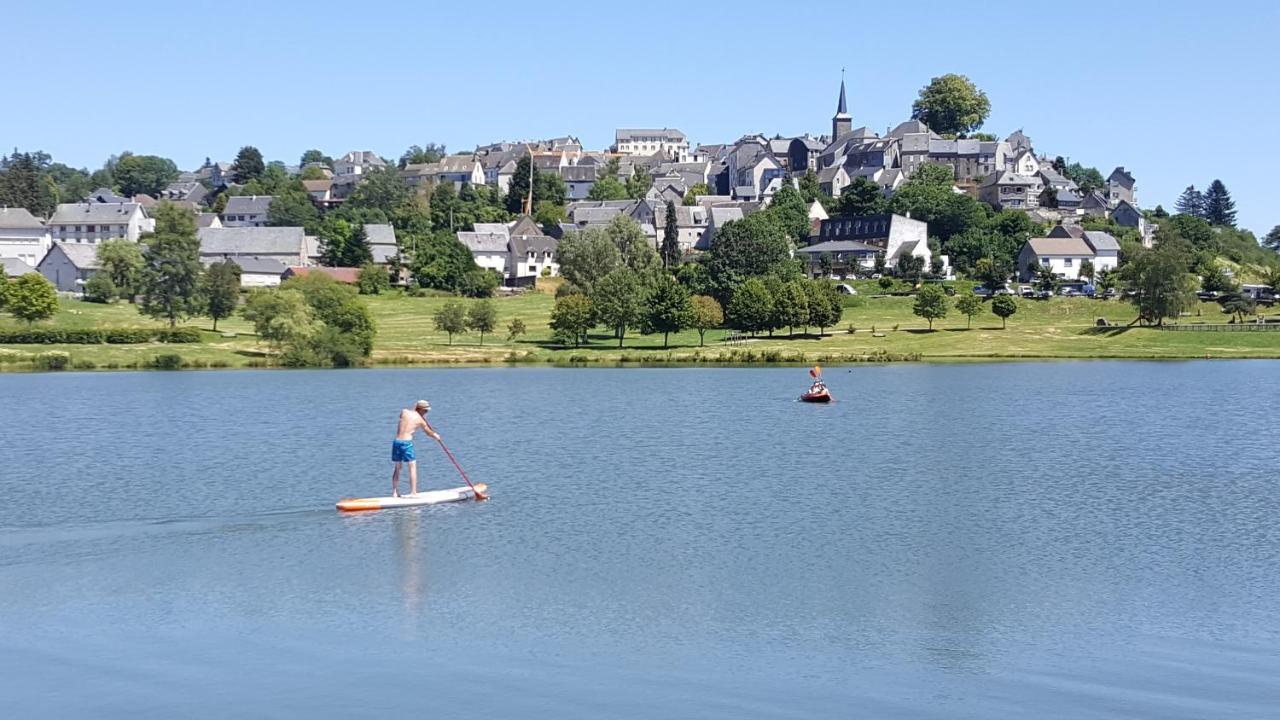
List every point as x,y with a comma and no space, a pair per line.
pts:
402,451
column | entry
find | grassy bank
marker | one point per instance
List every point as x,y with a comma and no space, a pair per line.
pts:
883,329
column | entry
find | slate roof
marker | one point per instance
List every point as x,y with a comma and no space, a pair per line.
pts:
363,157
18,219
1099,241
719,215
92,212
668,134
15,267
1059,246
252,241
84,257
522,244
1074,231
1004,177
248,205
204,220
593,215
1122,176
252,264
315,185
106,195
579,173
838,246
484,241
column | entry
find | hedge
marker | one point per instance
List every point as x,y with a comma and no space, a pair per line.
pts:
95,336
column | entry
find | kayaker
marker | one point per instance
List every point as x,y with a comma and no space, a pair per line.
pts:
411,420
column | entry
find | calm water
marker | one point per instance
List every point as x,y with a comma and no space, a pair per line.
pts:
1073,540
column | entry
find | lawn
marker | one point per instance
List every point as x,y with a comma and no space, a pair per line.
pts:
882,328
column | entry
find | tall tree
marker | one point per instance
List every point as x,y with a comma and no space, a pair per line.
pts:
171,273
951,104
991,274
910,267
220,290
381,189
751,247
618,301
525,176
31,297
121,261
825,307
585,257
451,318
671,238
607,188
639,183
707,314
279,317
791,213
792,304
931,304
668,308
1190,202
1219,208
1087,179
147,174
636,249
482,317
1272,239
248,165
692,194
862,197
23,184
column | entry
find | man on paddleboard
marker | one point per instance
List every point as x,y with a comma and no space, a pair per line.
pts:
402,447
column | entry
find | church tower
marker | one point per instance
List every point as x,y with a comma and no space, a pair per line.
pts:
841,123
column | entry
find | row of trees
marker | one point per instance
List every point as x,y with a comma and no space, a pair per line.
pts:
621,301
1213,205
768,304
932,304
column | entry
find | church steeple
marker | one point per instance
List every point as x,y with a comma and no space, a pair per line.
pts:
842,122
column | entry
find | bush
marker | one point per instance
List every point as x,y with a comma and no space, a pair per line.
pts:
52,361
100,289
167,361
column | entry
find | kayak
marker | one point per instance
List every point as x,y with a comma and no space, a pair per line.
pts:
822,396
426,497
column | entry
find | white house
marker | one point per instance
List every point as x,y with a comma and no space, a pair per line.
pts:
91,223
255,272
246,211
490,245
456,169
15,267
1106,250
22,236
69,266
357,162
1062,255
894,235
518,251
646,141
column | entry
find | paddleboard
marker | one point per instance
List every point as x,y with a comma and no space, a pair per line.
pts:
426,497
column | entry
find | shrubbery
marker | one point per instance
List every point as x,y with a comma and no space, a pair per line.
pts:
96,336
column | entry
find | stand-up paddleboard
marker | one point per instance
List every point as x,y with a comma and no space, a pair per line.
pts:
427,497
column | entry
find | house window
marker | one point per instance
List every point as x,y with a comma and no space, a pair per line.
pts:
1044,262
1066,262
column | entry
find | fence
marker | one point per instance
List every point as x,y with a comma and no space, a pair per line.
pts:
1233,327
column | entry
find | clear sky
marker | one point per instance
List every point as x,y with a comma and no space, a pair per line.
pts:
1178,92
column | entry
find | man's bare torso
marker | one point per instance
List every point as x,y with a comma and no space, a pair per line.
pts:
410,422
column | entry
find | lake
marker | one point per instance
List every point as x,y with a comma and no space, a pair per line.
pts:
1049,540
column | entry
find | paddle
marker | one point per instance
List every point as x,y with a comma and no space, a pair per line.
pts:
445,448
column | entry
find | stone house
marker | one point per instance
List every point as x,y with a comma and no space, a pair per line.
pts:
246,211
91,223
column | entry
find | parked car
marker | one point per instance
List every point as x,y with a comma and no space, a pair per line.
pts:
1026,291
846,289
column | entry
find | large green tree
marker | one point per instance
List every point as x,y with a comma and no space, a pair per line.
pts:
667,309
381,189
147,174
1162,287
451,318
969,305
1190,202
482,317
751,309
171,271
315,156
585,257
618,301
23,184
635,248
122,262
571,318
220,290
248,165
791,304
862,197
951,104
292,208
422,154
279,317
1004,306
607,188
825,306
751,247
1272,239
1087,179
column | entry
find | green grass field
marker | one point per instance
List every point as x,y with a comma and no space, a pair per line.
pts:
883,328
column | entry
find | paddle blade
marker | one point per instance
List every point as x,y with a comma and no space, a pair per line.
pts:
812,374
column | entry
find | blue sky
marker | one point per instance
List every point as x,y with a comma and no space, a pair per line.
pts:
1177,92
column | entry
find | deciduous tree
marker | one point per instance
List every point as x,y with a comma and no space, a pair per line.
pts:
668,308
451,318
931,303
148,174
122,263
571,318
1160,282
825,307
220,290
862,197
482,317
607,188
751,309
1004,306
585,257
969,305
951,104
706,315
618,301
31,297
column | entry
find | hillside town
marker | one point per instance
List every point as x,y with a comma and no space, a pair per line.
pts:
646,174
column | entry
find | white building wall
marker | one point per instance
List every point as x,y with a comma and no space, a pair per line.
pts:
26,244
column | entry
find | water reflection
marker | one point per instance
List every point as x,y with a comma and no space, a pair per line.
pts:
413,569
